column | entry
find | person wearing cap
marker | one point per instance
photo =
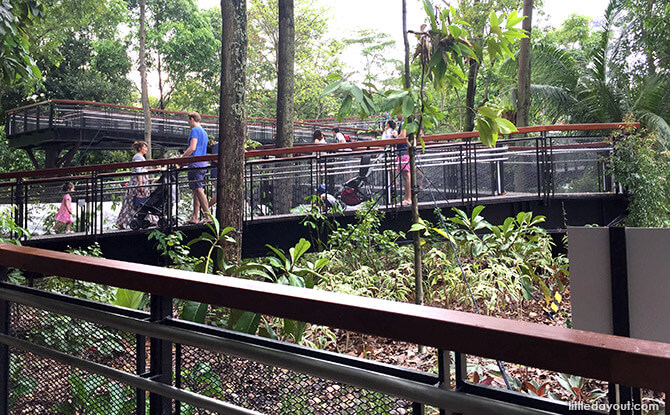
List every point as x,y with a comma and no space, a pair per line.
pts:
328,201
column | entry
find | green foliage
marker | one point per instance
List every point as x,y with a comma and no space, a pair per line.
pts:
17,19
443,51
95,395
641,165
10,232
504,264
129,298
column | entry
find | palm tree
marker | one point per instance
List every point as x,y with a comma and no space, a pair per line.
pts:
597,88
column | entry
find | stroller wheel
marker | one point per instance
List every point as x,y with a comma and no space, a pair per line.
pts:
145,224
162,224
134,224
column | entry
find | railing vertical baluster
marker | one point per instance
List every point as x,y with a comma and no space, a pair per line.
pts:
177,375
140,367
51,114
94,202
161,356
37,115
5,317
18,214
102,205
251,191
444,372
417,408
460,371
474,165
539,172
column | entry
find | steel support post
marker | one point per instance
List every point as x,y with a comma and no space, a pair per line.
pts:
4,349
444,372
621,316
140,367
161,356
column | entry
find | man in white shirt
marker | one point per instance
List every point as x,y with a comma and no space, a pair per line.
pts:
339,137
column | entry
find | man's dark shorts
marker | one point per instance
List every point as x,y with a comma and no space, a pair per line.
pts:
195,177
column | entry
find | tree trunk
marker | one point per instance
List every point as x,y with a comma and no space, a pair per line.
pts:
143,75
523,94
285,91
405,41
232,122
649,50
285,74
470,109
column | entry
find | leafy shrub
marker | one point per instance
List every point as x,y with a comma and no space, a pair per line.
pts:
641,164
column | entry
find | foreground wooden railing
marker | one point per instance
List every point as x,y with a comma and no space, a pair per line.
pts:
636,363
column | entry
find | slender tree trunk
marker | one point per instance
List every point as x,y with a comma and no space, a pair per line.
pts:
523,94
232,122
470,109
143,75
285,74
405,41
161,100
285,103
649,52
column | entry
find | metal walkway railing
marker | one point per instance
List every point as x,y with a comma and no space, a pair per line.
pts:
453,167
185,366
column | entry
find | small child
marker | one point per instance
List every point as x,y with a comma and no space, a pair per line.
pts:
64,214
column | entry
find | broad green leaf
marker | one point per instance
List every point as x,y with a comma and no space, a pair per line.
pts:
505,126
248,322
488,112
345,108
358,95
331,88
430,11
194,311
455,31
128,298
408,106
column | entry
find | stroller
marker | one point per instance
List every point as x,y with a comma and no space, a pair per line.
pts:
156,204
358,189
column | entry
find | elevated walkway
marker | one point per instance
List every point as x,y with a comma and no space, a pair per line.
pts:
556,171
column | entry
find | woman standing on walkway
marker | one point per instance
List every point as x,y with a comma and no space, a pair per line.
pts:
136,188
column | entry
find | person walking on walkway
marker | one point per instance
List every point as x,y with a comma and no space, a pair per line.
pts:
137,188
64,214
197,146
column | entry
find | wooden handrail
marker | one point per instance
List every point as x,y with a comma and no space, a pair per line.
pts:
632,362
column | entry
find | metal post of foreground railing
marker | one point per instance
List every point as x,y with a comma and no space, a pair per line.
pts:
460,371
444,372
140,368
161,356
621,316
4,349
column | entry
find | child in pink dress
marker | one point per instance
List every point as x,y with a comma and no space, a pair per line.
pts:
64,214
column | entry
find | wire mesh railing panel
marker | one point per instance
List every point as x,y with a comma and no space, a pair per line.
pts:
42,386
521,173
76,337
38,385
273,390
579,171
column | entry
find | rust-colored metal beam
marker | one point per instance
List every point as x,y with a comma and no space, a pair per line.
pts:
638,363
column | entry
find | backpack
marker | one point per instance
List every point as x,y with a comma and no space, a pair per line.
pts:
350,197
347,138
